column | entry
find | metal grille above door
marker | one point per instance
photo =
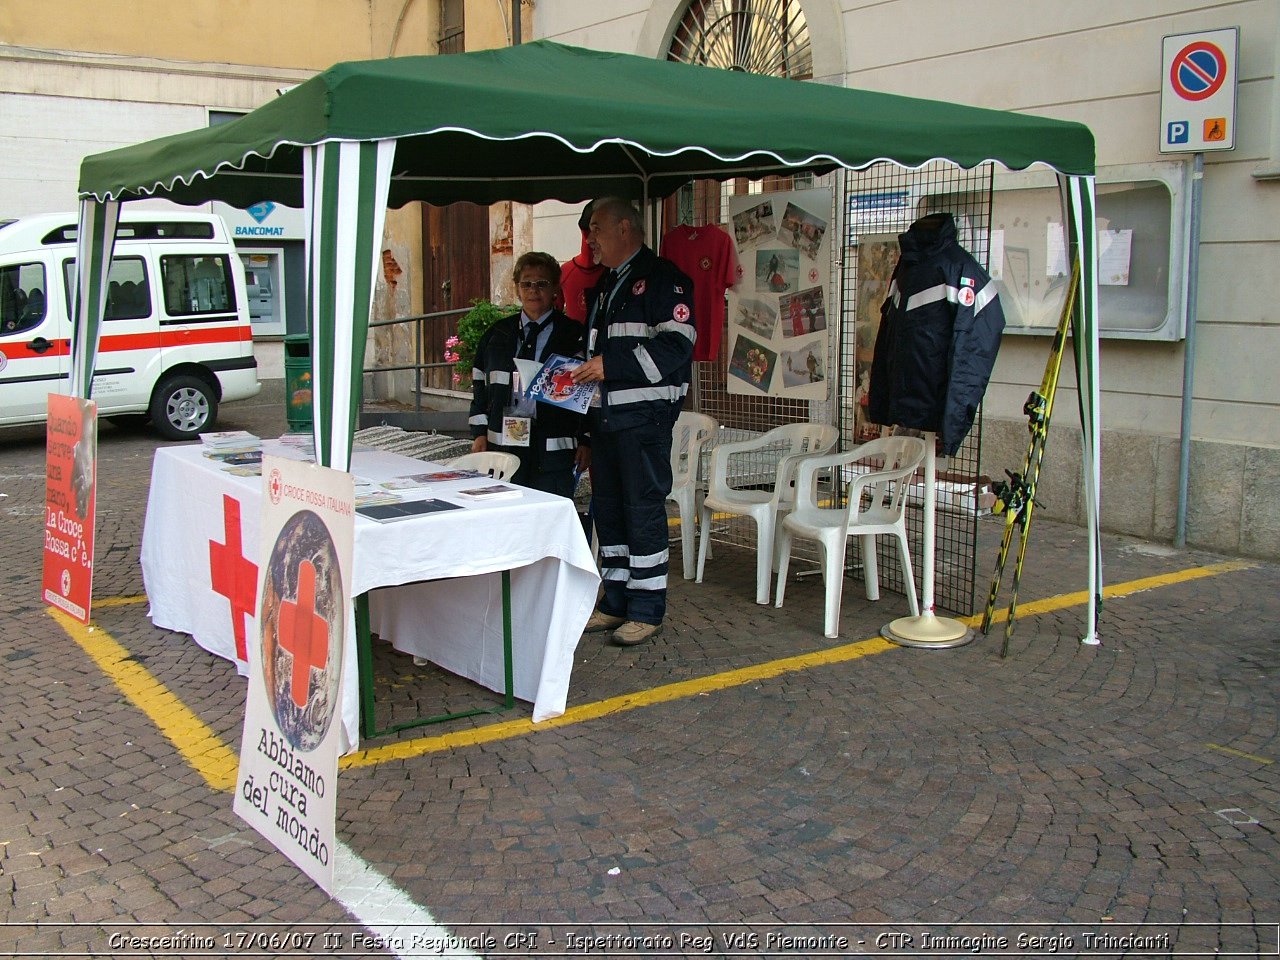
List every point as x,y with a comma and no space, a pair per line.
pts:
769,37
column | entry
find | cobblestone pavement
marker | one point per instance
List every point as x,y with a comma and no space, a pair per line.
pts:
1131,782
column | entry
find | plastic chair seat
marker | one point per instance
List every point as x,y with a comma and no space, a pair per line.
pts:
791,443
886,489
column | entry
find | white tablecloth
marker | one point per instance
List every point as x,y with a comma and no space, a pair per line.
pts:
456,623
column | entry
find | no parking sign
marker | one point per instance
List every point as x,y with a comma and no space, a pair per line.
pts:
1198,91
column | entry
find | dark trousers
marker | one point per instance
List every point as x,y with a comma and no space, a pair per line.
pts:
630,480
534,475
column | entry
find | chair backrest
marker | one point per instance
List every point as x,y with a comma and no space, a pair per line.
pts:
692,431
802,438
797,440
886,484
500,466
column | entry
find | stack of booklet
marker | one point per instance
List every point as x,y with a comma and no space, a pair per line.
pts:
239,451
494,491
422,481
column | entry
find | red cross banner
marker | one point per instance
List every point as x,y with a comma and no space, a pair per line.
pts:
71,482
288,782
234,576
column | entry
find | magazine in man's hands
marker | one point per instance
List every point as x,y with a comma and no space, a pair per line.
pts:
554,385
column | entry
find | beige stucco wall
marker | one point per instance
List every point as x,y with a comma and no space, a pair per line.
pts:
1097,63
287,34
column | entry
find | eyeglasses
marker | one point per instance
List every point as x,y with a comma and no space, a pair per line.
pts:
534,284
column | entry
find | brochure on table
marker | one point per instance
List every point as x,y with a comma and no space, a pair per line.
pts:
778,327
287,784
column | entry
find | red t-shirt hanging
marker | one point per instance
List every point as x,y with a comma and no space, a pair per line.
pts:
706,255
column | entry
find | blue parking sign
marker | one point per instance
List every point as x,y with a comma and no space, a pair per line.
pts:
1179,131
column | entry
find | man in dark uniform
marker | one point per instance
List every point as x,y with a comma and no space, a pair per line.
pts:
640,345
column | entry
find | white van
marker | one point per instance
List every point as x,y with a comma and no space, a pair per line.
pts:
175,338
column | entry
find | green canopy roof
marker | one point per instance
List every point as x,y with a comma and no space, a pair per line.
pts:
547,121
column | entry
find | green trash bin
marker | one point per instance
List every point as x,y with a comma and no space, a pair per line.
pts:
297,382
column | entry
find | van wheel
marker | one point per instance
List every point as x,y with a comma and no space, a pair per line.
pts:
182,407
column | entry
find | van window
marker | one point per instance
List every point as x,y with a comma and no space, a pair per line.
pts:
128,292
166,230
22,297
196,285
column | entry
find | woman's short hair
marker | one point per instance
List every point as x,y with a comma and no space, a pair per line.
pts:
537,260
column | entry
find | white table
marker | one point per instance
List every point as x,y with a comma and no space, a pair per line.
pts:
194,555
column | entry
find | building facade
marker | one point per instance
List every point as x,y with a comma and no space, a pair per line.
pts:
100,75
1100,65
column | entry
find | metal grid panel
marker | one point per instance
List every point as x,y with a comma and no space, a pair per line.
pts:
871,206
880,203
742,416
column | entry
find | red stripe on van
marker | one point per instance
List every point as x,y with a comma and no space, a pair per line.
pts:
140,341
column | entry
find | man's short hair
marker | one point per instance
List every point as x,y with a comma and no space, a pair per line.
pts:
538,261
622,210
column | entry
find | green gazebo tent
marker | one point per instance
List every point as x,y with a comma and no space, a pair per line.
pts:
536,122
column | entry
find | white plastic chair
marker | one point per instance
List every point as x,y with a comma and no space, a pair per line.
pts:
791,443
876,505
495,463
691,434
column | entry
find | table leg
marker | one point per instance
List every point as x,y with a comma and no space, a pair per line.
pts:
364,648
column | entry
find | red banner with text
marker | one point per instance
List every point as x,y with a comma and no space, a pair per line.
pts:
71,483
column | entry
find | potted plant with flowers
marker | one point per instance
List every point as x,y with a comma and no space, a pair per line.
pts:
460,349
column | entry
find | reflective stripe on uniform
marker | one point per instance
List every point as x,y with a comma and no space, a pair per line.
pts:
629,330
935,293
652,560
614,550
561,443
674,326
479,420
499,376
652,583
647,365
640,394
985,296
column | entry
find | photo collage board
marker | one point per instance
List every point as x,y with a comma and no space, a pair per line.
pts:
780,309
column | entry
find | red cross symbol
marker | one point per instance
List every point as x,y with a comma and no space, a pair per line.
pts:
304,633
232,575
561,384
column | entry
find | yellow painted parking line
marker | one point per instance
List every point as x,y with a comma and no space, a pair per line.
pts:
198,744
1126,589
629,701
1240,753
218,764
117,601
723,681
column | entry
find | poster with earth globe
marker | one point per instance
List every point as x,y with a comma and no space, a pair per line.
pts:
779,324
287,786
